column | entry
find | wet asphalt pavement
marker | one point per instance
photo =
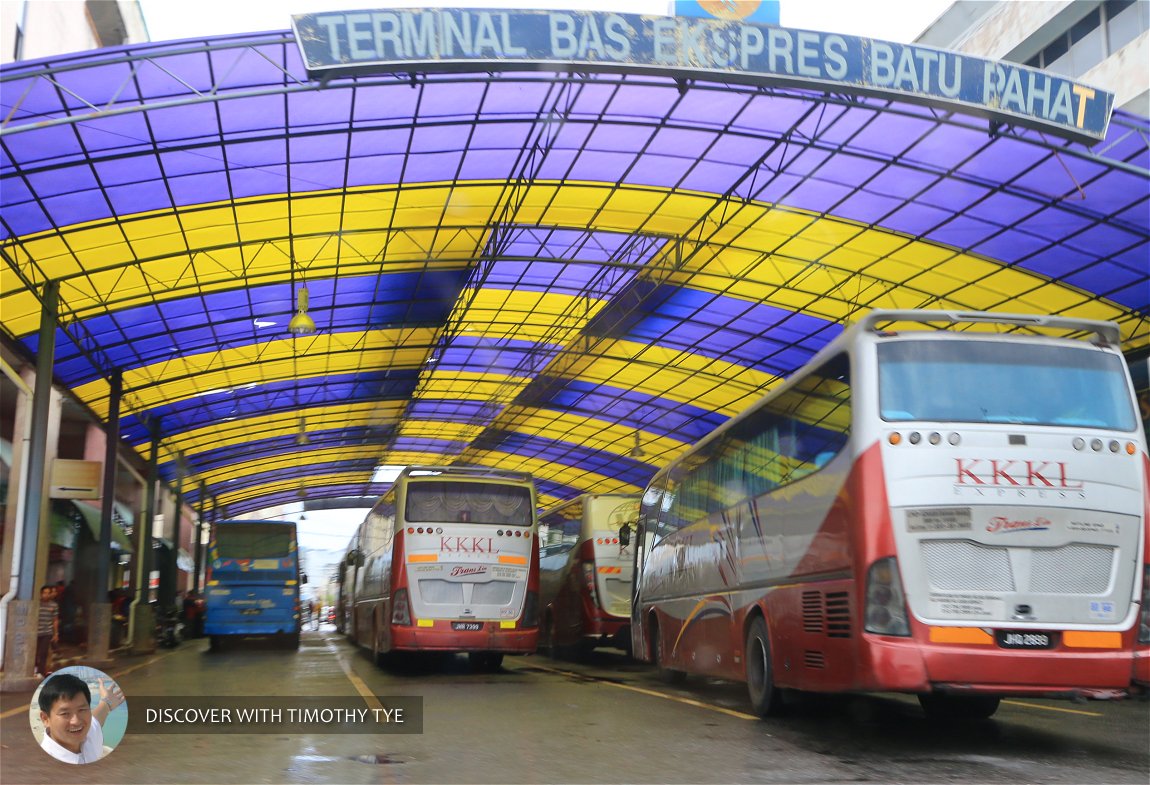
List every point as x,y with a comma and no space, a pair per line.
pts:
605,720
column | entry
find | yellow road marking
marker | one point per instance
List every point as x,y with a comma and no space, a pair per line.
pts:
1054,708
359,684
653,693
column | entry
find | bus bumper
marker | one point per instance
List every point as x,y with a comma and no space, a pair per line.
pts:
901,665
440,637
608,626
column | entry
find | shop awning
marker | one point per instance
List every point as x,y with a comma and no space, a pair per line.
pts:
120,540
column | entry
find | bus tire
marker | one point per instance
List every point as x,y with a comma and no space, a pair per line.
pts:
215,643
485,661
959,707
659,657
766,698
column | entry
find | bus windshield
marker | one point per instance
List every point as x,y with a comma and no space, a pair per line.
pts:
977,381
238,541
436,501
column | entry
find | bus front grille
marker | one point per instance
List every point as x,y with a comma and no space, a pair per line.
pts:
1077,568
962,565
493,593
440,592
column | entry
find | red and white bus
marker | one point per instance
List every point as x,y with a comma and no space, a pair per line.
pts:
585,569
447,560
957,514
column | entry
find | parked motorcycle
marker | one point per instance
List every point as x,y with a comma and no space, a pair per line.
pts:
169,627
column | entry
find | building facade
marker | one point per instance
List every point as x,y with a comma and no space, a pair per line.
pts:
1105,43
30,29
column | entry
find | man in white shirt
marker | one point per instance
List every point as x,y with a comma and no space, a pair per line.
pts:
73,730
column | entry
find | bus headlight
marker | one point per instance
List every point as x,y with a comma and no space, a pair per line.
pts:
589,582
885,602
1144,625
530,610
400,608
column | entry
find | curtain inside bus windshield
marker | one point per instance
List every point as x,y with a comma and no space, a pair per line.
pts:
253,542
468,502
1000,382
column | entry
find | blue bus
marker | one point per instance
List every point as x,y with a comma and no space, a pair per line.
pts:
253,582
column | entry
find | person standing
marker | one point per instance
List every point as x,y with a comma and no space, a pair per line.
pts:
66,603
193,615
47,629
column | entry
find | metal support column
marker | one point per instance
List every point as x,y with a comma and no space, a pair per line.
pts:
197,577
100,612
143,619
170,582
38,448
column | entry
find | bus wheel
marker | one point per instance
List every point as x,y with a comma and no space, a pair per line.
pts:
485,661
659,656
959,707
215,643
766,698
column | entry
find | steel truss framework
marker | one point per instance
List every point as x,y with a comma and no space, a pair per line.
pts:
575,275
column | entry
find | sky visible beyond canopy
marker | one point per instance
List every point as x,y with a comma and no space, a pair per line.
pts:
890,20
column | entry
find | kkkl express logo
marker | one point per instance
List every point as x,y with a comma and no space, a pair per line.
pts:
1000,523
1020,478
467,545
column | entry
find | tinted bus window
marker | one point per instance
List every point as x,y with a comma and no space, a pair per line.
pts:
998,382
437,502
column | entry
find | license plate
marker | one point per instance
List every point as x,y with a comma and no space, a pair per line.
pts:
250,612
467,626
1019,639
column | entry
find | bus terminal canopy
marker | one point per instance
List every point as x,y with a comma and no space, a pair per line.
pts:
574,271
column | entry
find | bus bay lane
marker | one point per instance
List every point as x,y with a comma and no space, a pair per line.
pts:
605,720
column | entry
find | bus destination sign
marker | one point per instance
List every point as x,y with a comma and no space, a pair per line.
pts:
355,42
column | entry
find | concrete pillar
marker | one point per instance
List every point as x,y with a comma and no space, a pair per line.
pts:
19,622
39,424
22,432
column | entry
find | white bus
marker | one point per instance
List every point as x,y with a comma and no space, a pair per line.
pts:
585,568
447,560
960,515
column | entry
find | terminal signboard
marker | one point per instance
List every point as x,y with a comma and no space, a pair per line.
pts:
356,42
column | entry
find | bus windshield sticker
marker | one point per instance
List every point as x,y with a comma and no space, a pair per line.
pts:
966,606
1103,611
944,519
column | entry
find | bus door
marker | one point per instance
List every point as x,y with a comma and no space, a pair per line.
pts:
614,561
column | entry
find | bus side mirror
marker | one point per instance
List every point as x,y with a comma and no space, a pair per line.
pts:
351,558
624,535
